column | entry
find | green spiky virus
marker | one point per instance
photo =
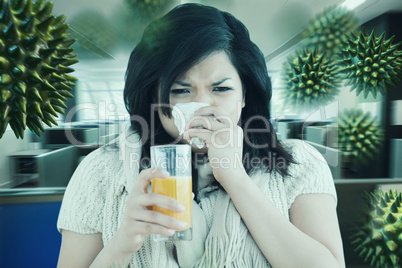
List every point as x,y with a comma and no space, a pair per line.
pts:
151,8
327,30
310,79
34,60
370,63
359,135
379,238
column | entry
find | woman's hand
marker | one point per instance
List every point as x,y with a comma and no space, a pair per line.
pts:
222,136
139,220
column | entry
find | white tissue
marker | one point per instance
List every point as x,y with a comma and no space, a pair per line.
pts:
181,113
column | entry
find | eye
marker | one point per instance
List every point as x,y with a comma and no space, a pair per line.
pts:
179,91
221,89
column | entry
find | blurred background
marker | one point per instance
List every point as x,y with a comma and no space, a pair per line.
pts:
354,120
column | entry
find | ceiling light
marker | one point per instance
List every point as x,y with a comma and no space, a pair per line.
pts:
352,4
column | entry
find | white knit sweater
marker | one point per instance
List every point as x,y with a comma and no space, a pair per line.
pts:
95,198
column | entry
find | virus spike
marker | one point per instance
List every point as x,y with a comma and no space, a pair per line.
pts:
373,260
22,120
363,252
369,254
59,20
58,102
394,207
11,33
383,203
21,104
58,32
35,94
56,95
47,69
35,108
391,218
46,52
63,69
65,93
392,246
55,42
44,13
43,27
33,61
28,26
395,259
19,87
18,130
30,43
50,118
58,109
377,236
378,222
5,94
4,109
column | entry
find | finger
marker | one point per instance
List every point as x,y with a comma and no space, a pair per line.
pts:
202,121
226,120
153,199
147,228
160,219
145,177
203,134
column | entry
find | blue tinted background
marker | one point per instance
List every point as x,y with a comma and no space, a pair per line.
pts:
28,235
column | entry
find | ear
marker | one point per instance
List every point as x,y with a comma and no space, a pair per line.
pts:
243,103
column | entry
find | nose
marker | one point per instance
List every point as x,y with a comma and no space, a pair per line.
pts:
204,96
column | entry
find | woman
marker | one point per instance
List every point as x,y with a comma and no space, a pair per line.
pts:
257,202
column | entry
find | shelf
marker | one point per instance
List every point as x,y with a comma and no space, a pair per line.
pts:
31,195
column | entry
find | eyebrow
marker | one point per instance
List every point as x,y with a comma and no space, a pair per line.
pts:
184,84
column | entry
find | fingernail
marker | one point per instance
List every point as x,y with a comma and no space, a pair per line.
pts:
182,224
181,207
171,232
165,173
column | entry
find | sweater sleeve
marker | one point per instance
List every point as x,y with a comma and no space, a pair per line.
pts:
83,201
310,174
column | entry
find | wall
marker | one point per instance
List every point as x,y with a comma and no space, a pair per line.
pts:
390,24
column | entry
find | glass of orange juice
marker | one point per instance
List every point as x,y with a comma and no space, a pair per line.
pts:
175,159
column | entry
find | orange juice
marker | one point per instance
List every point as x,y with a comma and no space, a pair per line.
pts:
180,189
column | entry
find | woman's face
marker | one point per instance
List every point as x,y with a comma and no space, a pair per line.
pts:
214,81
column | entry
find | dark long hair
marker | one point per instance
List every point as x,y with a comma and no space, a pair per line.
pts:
170,46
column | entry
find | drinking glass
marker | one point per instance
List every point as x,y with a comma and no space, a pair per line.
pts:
175,159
